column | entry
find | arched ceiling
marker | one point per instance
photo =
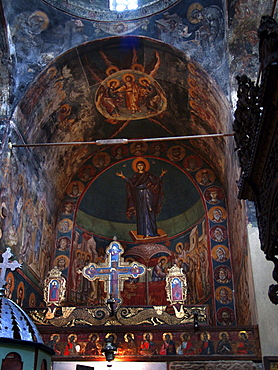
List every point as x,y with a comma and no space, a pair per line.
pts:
66,103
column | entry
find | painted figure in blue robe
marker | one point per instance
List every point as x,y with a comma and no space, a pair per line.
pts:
144,198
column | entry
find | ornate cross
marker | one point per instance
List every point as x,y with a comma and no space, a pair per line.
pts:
6,264
114,271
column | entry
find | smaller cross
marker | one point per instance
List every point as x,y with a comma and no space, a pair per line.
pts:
6,264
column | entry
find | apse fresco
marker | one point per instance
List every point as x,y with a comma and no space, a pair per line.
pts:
166,208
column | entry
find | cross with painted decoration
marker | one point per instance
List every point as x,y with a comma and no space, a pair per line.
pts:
114,271
6,264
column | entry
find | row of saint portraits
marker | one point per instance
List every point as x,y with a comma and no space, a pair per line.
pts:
147,344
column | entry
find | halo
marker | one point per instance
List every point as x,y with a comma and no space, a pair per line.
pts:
144,78
113,80
202,335
32,296
164,336
140,159
113,335
150,334
53,335
242,332
73,335
43,15
138,67
126,334
162,258
192,7
10,276
21,285
91,335
128,74
178,246
223,332
182,334
111,68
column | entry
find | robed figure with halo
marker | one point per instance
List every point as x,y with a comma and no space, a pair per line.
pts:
144,197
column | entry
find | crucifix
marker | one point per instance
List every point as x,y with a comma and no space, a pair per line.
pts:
6,264
114,271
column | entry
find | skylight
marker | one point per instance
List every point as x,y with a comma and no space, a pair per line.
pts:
121,5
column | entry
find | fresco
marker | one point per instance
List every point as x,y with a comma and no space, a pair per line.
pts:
42,34
239,343
190,228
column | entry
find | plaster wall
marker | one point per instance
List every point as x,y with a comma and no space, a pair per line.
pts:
266,311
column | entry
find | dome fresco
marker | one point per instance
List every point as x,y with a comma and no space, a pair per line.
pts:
101,11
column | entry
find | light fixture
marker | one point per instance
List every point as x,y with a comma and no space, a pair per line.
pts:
109,349
195,321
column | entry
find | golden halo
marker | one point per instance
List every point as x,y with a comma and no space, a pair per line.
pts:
138,67
126,334
113,335
128,74
113,80
32,297
179,247
121,24
130,259
43,15
202,335
162,258
53,335
184,333
140,159
144,78
242,332
91,335
223,332
150,334
52,72
109,70
21,286
192,7
73,335
164,336
10,276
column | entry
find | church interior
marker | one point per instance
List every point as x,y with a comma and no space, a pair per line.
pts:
138,184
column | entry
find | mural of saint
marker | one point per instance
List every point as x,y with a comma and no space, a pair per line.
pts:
205,177
224,345
207,347
217,214
186,347
224,295
129,347
218,233
220,253
147,347
92,347
213,194
144,197
168,346
225,316
244,345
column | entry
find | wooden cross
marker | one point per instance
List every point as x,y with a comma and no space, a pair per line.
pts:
114,271
6,264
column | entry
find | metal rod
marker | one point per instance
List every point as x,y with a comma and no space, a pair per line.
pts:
119,141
